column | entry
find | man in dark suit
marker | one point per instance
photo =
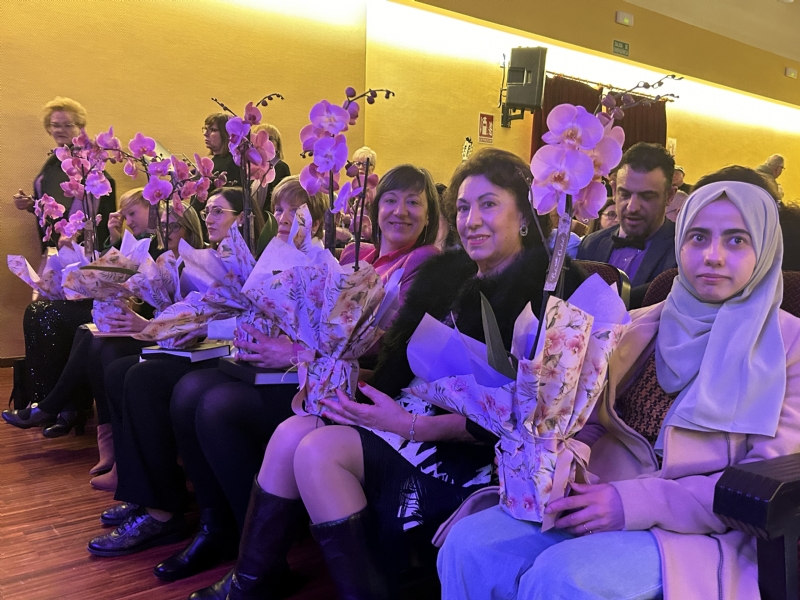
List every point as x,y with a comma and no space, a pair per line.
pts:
643,244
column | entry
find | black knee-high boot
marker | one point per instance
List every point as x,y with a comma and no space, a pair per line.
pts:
352,562
261,571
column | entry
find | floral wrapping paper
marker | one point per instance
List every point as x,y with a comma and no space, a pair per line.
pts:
218,276
537,415
333,311
48,283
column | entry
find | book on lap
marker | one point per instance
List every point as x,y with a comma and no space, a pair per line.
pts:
106,334
256,375
192,354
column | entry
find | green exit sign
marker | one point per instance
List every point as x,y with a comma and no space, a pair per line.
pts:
622,48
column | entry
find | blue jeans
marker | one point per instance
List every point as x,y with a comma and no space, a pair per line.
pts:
491,555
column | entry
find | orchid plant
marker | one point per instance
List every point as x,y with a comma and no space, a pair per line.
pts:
255,156
324,140
581,150
84,163
171,180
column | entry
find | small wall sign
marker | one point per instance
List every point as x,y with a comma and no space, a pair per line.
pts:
486,128
621,48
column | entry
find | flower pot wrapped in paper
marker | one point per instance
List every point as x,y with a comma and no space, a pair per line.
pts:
335,312
110,279
48,283
217,275
537,410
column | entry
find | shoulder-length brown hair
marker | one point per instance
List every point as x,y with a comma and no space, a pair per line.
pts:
408,178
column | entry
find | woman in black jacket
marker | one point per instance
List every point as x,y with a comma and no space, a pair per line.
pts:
399,463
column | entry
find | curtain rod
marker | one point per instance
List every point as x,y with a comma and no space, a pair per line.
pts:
604,85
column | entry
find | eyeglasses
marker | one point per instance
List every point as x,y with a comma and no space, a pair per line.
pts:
209,130
173,227
216,212
609,214
58,126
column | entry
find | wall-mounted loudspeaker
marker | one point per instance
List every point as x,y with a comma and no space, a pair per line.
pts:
524,83
526,78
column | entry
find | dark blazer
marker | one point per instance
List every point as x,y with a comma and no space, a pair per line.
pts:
659,257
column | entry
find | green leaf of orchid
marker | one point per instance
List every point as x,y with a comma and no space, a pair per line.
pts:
496,354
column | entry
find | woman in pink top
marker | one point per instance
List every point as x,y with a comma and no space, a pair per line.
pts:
406,209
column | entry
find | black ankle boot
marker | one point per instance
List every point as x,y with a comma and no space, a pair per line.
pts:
261,571
214,543
217,591
65,422
352,562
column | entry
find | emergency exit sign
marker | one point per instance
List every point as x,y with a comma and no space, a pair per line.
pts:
621,48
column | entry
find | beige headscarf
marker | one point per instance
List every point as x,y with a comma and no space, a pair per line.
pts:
727,360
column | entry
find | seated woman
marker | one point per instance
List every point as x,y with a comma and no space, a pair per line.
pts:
50,327
399,462
147,473
673,419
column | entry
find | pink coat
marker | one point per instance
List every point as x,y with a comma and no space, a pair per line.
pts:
701,558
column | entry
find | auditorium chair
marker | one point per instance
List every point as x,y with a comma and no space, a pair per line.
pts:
611,274
761,498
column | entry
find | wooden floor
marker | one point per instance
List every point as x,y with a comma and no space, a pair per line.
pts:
48,513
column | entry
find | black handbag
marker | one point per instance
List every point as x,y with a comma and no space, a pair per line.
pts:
19,395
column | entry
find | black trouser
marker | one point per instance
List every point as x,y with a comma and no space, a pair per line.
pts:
88,360
228,423
49,327
139,396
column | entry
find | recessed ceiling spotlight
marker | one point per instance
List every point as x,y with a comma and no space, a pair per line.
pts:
786,1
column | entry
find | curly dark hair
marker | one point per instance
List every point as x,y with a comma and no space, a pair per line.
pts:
505,170
739,173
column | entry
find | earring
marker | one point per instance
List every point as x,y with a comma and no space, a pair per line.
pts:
523,231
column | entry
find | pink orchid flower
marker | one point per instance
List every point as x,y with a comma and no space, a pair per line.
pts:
330,154
141,146
329,117
573,126
326,182
63,153
180,168
75,167
558,171
201,191
157,190
129,168
310,179
82,141
110,145
221,180
264,174
251,114
72,189
178,207
309,136
237,129
589,200
98,185
187,190
205,166
605,155
159,168
345,193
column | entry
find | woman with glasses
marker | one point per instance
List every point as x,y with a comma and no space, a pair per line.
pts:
606,217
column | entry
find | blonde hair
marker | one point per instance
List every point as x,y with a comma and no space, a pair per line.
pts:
133,196
289,189
191,225
59,103
274,134
366,151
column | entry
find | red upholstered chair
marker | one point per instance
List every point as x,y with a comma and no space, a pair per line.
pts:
659,288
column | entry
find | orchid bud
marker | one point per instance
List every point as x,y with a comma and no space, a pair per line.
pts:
609,101
627,100
370,100
350,92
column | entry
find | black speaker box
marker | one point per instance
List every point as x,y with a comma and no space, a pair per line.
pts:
525,81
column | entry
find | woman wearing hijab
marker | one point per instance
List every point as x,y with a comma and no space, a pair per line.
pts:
683,403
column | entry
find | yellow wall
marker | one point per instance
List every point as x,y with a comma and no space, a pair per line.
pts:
152,66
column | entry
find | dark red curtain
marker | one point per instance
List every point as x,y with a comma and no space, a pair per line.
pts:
645,123
560,90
